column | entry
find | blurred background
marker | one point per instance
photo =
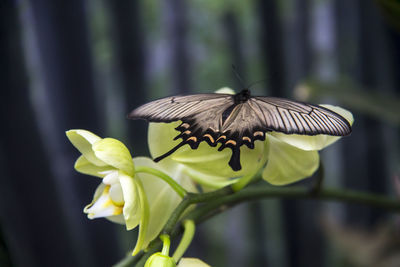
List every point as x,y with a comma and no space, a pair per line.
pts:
86,64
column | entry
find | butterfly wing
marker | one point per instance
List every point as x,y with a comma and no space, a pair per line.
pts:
176,108
201,117
217,118
291,117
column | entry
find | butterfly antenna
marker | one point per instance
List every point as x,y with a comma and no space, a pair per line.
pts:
254,83
238,76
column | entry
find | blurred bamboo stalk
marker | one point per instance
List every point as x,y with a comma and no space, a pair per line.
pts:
380,105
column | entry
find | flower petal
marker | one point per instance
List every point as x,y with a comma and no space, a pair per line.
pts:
114,153
102,206
83,141
225,90
205,161
288,164
84,166
131,208
161,197
316,142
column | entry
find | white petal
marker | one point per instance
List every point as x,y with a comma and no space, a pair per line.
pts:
116,194
111,178
102,206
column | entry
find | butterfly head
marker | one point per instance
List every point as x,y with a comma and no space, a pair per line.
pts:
242,96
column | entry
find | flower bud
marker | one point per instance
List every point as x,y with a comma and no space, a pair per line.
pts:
160,260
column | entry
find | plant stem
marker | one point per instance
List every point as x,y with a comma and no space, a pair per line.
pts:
174,185
192,198
219,200
189,230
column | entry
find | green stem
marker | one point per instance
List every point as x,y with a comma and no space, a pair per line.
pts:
174,185
220,200
189,230
166,244
264,192
192,198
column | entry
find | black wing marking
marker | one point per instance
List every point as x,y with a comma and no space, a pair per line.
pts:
291,117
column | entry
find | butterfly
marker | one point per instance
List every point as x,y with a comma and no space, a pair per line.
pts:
236,120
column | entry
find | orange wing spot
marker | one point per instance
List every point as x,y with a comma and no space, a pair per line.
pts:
185,125
231,142
209,137
245,138
187,132
258,133
192,138
221,137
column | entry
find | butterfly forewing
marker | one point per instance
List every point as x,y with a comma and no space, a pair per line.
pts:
293,117
177,107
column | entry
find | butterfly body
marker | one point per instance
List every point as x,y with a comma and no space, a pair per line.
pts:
240,119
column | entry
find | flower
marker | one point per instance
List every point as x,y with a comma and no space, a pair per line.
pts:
289,158
116,198
125,196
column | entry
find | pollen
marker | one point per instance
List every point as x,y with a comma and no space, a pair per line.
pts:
187,132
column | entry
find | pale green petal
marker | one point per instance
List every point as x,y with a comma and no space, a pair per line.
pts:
225,90
204,161
144,217
192,262
316,142
114,153
161,198
288,164
83,141
82,165
131,208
